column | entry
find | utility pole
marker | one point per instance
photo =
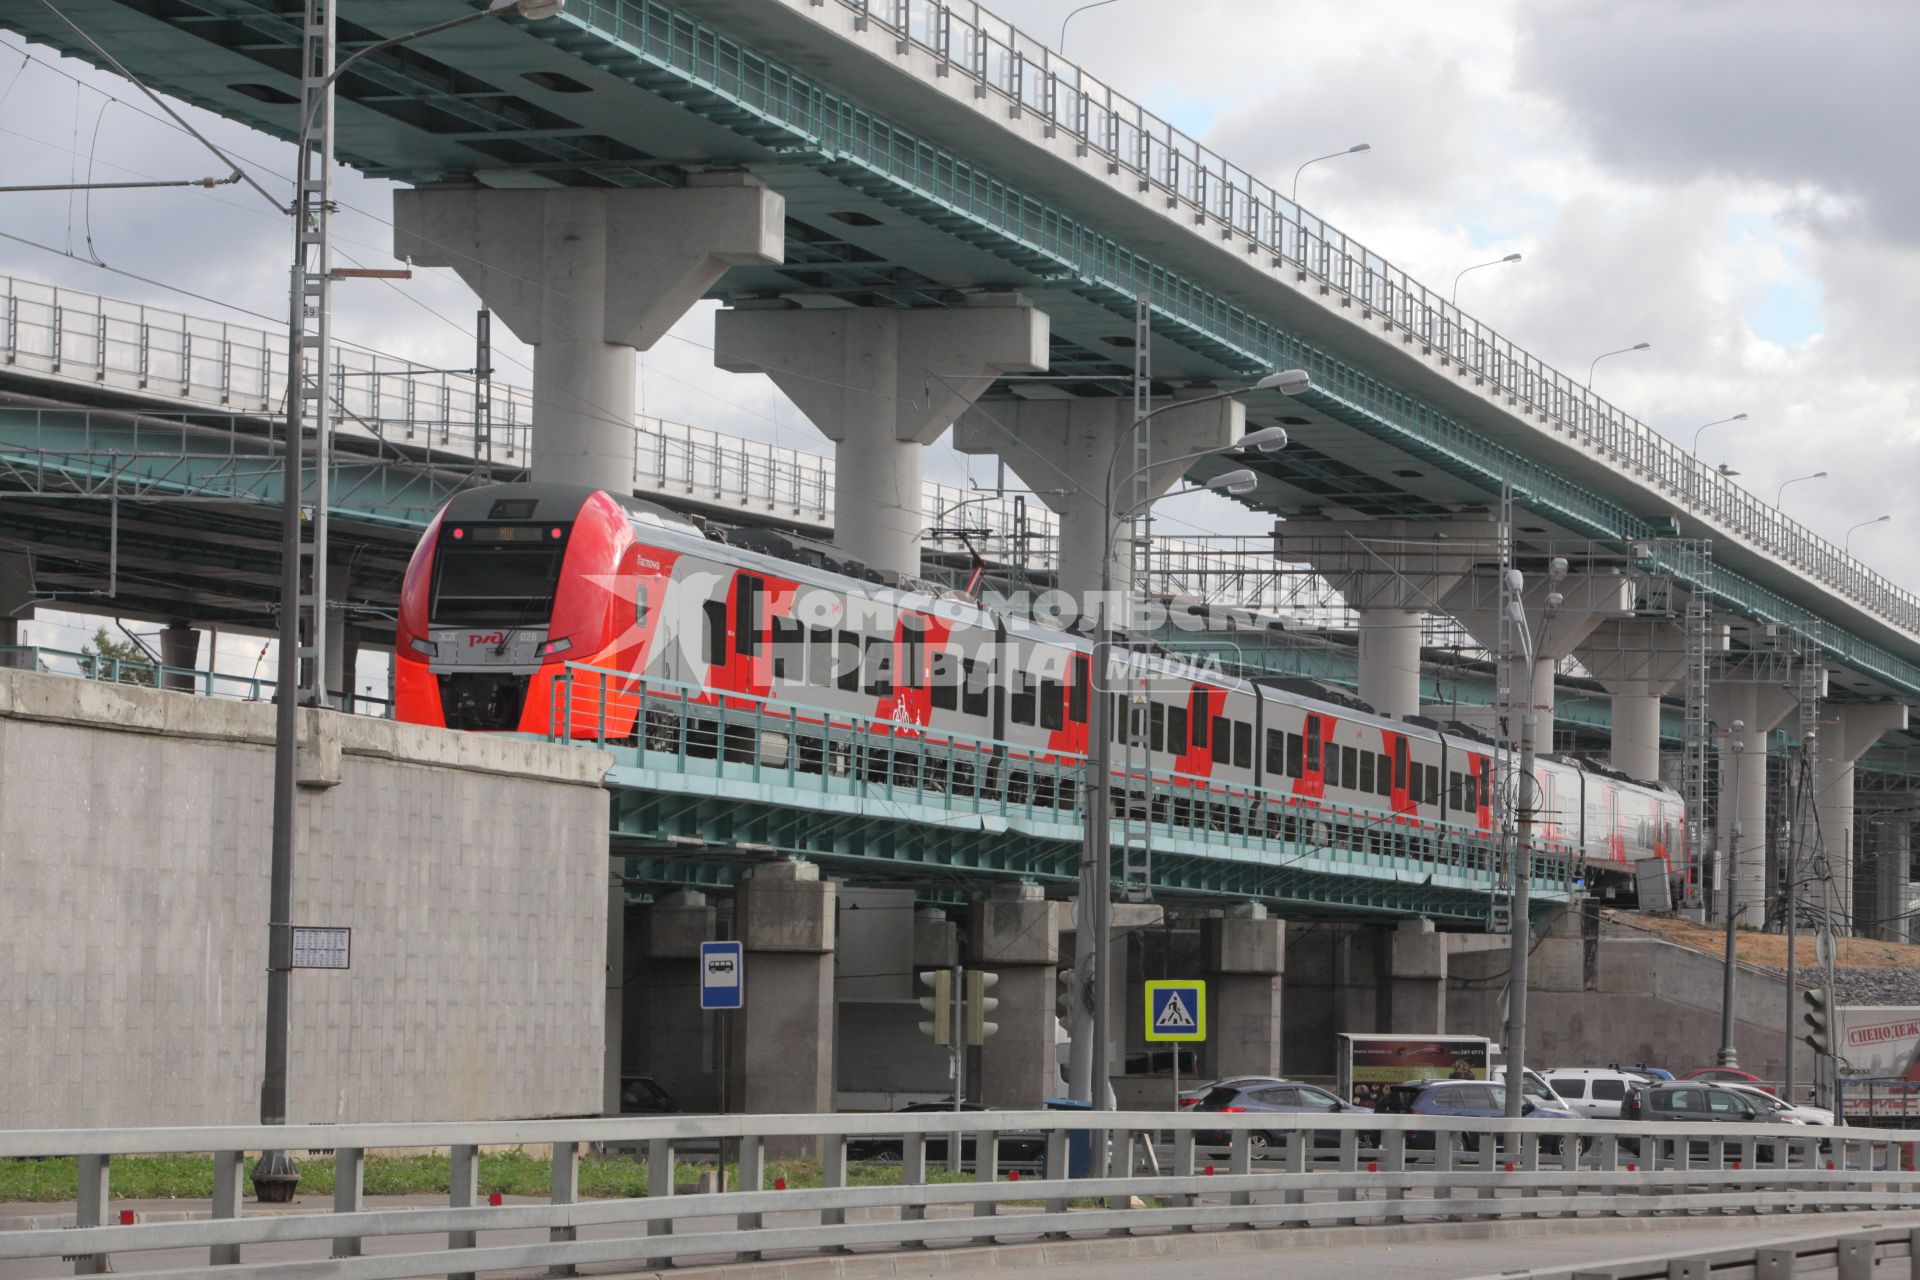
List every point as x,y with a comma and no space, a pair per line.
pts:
1728,1056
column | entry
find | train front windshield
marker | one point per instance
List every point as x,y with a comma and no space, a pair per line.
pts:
496,576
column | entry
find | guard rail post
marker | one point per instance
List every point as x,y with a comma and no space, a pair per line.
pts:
986,1168
463,1192
750,1176
1183,1167
90,1210
349,1194
913,1172
1059,1169
660,1170
1393,1159
833,1172
1120,1164
1485,1161
1299,1153
229,1168
1525,1150
1445,1160
565,1186
1240,1164
1349,1163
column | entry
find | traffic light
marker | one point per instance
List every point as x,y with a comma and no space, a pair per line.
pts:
979,1005
939,1005
1819,1017
1067,985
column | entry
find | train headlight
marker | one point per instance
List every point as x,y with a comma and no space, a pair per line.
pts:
427,647
552,647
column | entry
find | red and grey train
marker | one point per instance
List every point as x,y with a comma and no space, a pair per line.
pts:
512,582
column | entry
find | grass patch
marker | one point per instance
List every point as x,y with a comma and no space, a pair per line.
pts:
513,1173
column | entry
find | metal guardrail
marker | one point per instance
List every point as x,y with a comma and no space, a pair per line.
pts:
963,37
153,675
1278,1170
1849,1255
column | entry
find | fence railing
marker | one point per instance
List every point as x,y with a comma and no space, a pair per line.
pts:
686,730
1846,1255
1205,1170
1222,198
155,675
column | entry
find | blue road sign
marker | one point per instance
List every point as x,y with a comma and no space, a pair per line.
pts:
1176,1011
723,976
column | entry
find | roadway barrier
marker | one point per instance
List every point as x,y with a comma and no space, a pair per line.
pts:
1852,1255
1270,1170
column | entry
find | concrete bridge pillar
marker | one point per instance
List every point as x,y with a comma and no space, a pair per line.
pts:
1587,600
882,384
1886,847
586,277
1066,450
1638,661
1847,730
180,653
1411,969
1015,934
781,1058
1743,793
1246,957
1393,572
666,1035
16,603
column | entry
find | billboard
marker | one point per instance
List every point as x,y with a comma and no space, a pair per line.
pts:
1369,1063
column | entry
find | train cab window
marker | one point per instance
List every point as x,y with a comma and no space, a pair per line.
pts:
716,611
1296,760
1177,730
1222,740
1201,719
1366,772
1077,694
1022,704
976,699
1349,765
946,682
1276,752
1330,765
746,613
1313,744
846,663
1242,745
789,650
879,667
1052,705
1157,726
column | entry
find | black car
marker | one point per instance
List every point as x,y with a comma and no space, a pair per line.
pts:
1700,1102
1281,1097
1462,1098
643,1096
1016,1146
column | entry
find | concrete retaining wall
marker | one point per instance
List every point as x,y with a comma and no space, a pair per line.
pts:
134,838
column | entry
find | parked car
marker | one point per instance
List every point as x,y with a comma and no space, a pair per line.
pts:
643,1096
1704,1102
1804,1114
1727,1075
1538,1088
1462,1098
1016,1146
1193,1097
1280,1097
1594,1092
1642,1069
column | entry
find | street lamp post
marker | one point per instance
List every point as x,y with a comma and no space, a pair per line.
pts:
1357,149
1846,543
1061,46
1520,949
1087,1065
1695,451
275,1176
1512,257
1731,869
1778,493
1638,346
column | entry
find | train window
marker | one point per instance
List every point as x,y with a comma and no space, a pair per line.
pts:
1023,699
846,663
1222,740
1382,776
1202,718
746,613
1295,758
1366,771
1399,764
1330,766
1276,752
1242,745
913,654
1077,695
1349,765
1157,726
879,667
1416,792
716,611
977,698
789,650
1433,783
820,662
1453,789
946,682
1177,730
1471,792
640,606
1313,744
1052,705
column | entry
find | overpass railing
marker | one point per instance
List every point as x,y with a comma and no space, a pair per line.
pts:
685,729
204,681
1207,1170
965,38
1846,1255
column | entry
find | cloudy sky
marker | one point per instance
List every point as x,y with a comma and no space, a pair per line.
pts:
1732,181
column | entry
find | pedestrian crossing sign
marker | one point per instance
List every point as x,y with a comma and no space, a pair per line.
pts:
1176,1011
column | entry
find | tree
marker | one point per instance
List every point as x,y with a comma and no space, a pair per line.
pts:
122,661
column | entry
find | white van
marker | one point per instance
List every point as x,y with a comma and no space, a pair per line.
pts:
1595,1092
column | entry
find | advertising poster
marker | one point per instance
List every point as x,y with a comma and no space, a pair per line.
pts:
1379,1061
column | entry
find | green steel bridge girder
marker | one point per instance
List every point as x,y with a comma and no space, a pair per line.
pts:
676,56
715,823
